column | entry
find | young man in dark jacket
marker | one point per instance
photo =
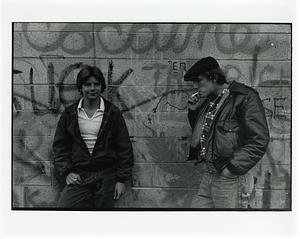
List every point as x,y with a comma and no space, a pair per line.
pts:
92,149
230,133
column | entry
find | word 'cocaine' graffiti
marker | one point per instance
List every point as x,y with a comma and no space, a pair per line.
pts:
177,40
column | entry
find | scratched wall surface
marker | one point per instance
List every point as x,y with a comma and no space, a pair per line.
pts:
144,65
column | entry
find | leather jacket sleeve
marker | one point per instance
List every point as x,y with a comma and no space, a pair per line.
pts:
256,135
192,114
61,146
123,149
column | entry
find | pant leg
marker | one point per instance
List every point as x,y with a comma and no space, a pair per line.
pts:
225,191
103,191
75,196
203,199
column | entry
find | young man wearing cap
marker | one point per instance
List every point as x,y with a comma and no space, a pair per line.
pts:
92,150
230,133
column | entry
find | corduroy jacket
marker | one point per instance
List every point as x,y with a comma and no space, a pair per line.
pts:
113,147
239,135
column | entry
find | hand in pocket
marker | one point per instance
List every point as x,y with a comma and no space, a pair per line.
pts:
227,173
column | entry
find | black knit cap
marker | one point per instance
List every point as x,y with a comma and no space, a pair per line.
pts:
202,66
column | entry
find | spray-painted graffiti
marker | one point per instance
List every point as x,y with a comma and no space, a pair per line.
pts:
142,38
59,41
153,96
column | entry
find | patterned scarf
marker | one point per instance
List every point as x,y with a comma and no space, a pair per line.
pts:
203,124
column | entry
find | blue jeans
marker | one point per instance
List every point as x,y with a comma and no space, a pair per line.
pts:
218,191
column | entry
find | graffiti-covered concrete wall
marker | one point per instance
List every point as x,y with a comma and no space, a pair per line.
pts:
144,65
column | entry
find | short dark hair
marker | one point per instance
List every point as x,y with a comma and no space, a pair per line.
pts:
88,71
215,74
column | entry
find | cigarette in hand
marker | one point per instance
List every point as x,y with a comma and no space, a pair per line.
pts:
194,97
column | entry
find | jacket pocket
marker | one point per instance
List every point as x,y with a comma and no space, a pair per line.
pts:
226,137
228,125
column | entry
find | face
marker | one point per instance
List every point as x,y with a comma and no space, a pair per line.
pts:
91,89
205,86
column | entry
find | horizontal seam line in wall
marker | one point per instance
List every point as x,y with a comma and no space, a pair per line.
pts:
148,188
148,59
148,163
57,84
195,189
193,32
148,137
186,162
25,184
177,137
185,85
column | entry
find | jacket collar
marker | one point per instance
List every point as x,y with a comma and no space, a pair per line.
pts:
100,106
237,87
72,110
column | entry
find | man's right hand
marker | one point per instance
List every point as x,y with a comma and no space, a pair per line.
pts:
195,101
73,178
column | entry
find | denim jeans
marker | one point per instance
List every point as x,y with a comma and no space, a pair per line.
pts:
217,190
95,192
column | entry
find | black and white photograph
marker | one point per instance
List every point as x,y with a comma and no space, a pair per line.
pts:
149,119
152,115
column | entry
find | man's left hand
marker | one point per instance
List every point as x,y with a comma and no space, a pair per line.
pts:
227,173
119,190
